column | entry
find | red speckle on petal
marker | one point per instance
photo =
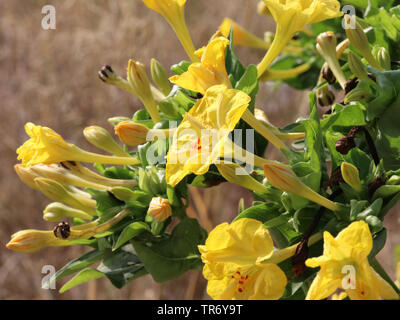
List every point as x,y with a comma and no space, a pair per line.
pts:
240,290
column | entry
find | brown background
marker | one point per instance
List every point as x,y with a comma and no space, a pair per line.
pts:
50,78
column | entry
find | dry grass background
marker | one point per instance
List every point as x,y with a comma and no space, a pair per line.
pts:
50,78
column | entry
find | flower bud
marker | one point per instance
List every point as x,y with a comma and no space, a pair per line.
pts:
358,94
325,96
357,67
350,175
326,46
281,176
159,209
102,139
57,211
131,133
124,194
28,241
116,120
383,58
27,175
262,9
359,40
160,77
57,192
140,85
238,175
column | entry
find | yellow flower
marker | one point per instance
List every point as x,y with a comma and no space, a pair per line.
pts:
46,146
281,176
241,36
28,241
348,251
160,209
398,275
174,12
209,72
200,138
292,16
232,255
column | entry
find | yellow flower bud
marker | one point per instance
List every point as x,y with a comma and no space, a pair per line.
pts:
131,133
102,139
140,85
282,177
160,77
326,46
28,241
57,192
350,175
238,175
57,211
359,40
27,175
262,9
159,209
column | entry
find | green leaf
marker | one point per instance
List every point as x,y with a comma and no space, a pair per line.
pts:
129,232
78,264
175,255
122,266
263,212
105,201
82,277
181,67
234,67
344,118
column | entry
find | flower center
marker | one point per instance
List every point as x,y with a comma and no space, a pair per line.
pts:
241,279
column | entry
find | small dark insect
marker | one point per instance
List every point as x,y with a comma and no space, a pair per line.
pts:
62,230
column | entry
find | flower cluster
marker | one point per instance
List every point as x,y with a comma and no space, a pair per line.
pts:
317,222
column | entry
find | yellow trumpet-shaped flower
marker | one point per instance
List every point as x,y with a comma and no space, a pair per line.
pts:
241,36
232,255
344,265
351,176
29,241
200,138
282,177
174,12
209,72
46,146
292,16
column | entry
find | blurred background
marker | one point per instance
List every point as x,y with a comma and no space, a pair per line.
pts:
50,77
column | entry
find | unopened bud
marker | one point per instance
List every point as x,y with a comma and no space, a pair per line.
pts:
384,59
124,194
351,176
140,85
238,175
262,9
159,209
116,120
102,139
362,92
281,176
27,175
359,40
57,211
131,133
57,192
325,96
357,67
160,77
326,46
